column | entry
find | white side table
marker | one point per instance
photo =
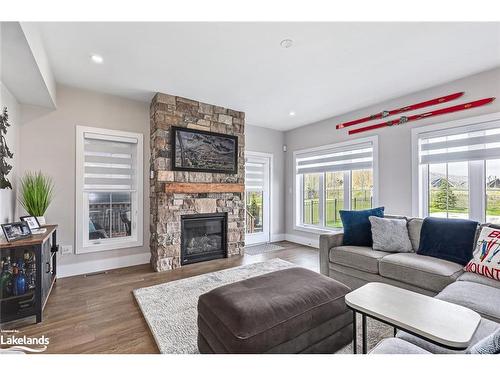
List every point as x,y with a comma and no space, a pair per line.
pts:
442,323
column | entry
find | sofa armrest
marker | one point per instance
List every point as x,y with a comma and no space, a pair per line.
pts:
326,242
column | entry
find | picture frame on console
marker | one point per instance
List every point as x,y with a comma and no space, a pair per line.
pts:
32,222
196,150
16,231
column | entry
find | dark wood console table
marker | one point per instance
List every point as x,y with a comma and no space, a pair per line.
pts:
44,246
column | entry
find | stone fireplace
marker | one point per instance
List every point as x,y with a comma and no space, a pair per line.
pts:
179,198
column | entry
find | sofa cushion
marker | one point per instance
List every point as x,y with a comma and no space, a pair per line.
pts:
420,270
390,235
489,345
448,239
481,298
475,278
357,227
354,279
414,228
360,257
485,328
394,345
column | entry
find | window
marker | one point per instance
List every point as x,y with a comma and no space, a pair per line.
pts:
449,190
459,172
109,194
256,177
334,195
311,189
334,178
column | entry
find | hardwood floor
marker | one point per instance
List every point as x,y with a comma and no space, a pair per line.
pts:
99,314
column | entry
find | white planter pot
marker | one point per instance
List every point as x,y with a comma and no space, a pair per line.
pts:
41,220
7,201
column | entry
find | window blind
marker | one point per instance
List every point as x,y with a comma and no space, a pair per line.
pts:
353,157
109,163
461,146
254,176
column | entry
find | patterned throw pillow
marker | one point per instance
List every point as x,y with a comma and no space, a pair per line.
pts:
390,235
486,260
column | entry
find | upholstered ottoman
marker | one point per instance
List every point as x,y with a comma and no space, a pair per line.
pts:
289,311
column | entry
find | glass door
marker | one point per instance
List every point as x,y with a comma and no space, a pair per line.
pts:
257,197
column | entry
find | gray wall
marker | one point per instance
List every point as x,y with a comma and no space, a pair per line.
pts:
271,141
48,144
394,143
47,140
7,196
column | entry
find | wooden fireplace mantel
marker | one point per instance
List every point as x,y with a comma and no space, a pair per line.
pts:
192,187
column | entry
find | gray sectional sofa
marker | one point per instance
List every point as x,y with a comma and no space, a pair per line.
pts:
356,266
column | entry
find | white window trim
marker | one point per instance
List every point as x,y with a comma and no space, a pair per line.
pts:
81,206
419,175
297,180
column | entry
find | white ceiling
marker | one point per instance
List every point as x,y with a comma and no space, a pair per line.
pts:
19,68
331,69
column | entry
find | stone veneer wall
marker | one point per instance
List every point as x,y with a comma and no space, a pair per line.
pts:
166,208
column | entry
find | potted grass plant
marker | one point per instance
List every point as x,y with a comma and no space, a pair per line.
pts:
37,192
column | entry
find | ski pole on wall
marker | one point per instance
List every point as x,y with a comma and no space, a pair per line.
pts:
443,111
427,103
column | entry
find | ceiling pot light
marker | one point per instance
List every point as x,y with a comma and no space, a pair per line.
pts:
291,113
286,43
96,59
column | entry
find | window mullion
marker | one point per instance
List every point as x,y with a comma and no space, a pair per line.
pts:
301,198
347,190
424,199
321,207
477,190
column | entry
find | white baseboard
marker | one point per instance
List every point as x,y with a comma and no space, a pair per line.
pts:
81,268
303,240
277,237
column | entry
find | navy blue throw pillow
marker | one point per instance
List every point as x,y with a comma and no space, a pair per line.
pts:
448,239
357,227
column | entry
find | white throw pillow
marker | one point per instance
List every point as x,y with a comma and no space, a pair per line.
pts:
486,258
390,235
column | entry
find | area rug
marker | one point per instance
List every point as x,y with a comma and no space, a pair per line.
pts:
376,331
170,308
262,248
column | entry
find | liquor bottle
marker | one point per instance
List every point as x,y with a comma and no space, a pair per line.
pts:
29,267
9,264
5,280
19,280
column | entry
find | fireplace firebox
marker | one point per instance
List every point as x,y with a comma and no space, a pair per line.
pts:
203,237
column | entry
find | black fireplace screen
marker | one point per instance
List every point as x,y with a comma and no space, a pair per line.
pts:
204,237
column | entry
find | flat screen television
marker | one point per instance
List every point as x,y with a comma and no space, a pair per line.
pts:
202,151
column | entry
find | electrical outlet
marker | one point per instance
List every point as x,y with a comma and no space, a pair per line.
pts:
66,249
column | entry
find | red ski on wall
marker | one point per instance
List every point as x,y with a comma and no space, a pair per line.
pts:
427,103
443,111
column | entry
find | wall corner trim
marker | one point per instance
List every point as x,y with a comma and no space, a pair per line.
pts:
313,242
277,237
